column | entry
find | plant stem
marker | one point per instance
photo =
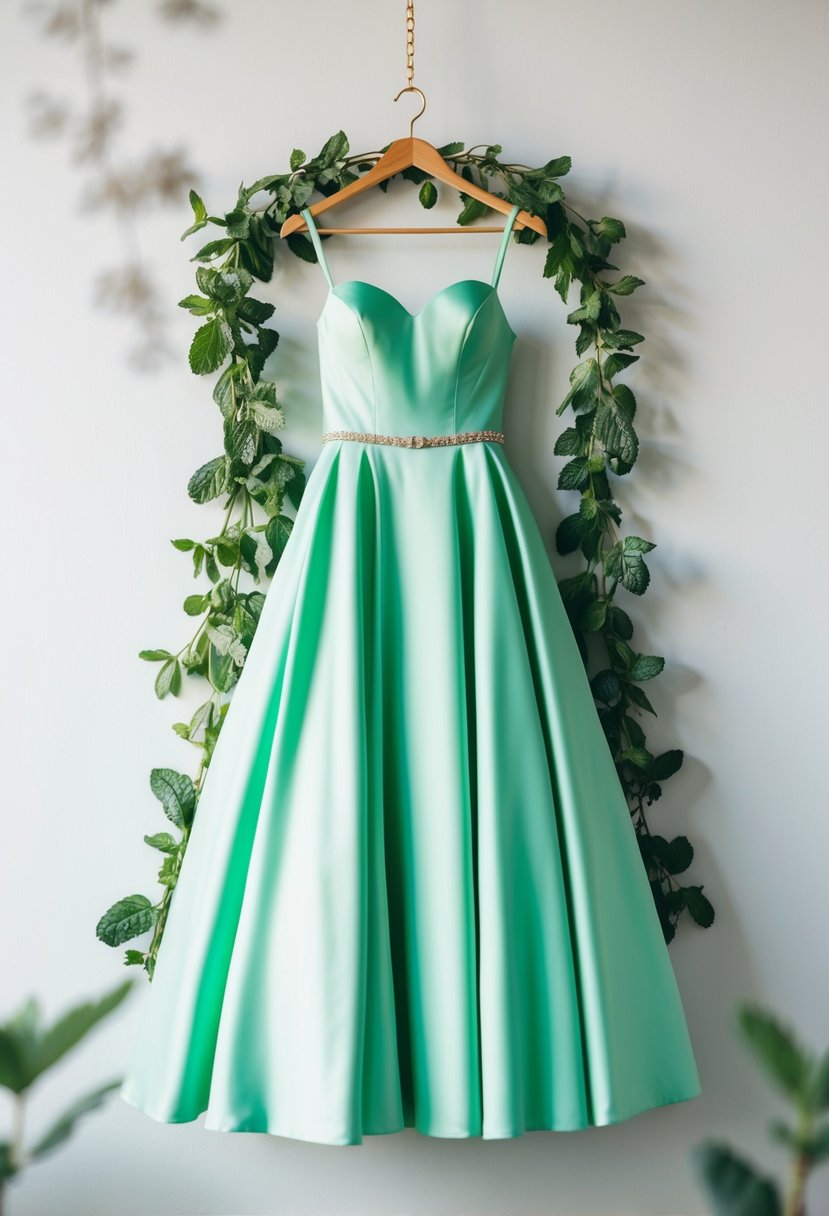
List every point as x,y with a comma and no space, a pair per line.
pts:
796,1197
801,1165
18,1117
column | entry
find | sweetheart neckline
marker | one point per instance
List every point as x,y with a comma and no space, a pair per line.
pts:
492,291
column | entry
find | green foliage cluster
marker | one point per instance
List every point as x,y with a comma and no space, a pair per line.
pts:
601,444
733,1184
28,1049
255,475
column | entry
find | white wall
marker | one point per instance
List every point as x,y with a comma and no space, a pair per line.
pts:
700,124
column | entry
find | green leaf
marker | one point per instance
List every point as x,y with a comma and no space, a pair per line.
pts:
214,249
777,1049
612,229
639,697
645,667
227,642
578,589
258,352
222,671
639,757
569,533
227,389
451,149
168,679
584,382
624,563
558,167
68,1030
574,474
733,1186
13,1068
680,853
301,190
209,481
634,731
199,306
168,874
255,311
8,1165
126,919
65,1125
162,841
154,656
698,906
473,209
622,655
277,532
589,310
560,260
226,287
134,958
297,158
569,442
620,339
666,765
268,418
210,346
606,686
301,246
620,623
176,793
256,254
257,557
594,617
334,149
199,215
635,544
241,445
614,425
238,223
19,1039
820,1085
195,605
625,286
617,362
428,194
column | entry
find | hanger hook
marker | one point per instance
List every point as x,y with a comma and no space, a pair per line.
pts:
412,88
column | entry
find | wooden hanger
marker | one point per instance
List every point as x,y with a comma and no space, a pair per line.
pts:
410,153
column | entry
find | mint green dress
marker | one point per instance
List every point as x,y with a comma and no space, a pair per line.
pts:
413,895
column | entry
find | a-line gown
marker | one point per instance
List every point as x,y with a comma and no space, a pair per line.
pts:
413,895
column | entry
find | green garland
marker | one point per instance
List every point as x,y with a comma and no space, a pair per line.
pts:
254,471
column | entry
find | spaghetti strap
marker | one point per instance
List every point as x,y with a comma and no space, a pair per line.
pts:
315,237
499,261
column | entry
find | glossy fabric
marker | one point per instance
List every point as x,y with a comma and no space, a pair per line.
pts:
413,894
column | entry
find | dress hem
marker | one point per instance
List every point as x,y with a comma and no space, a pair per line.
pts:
238,1126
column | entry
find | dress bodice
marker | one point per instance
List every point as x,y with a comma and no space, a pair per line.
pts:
441,370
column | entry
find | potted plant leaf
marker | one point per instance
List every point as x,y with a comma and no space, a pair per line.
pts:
28,1049
735,1187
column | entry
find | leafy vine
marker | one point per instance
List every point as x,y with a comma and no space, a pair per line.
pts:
262,484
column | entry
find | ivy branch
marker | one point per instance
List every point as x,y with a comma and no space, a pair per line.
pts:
258,480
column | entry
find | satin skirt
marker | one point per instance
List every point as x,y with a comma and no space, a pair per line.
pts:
412,895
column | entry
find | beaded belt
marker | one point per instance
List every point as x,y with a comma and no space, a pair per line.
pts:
417,441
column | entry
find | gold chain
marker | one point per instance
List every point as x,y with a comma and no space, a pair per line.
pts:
409,42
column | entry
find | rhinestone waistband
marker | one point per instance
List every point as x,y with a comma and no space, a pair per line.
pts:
417,441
